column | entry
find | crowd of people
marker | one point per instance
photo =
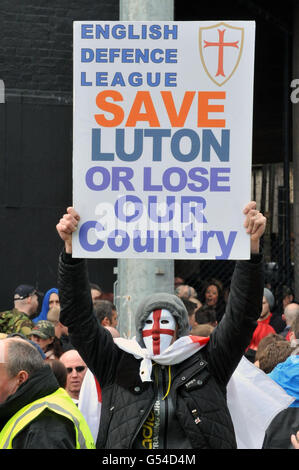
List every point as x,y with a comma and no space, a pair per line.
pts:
69,380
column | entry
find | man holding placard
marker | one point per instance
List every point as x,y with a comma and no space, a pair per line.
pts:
164,389
162,144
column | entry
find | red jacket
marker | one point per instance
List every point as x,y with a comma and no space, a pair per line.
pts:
263,329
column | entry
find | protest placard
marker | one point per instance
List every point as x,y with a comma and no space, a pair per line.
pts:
162,138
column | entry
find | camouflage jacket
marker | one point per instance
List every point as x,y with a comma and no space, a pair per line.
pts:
14,321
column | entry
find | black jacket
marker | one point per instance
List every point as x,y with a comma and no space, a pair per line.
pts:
278,434
49,430
198,385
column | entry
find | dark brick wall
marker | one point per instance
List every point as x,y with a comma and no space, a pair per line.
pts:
36,120
36,41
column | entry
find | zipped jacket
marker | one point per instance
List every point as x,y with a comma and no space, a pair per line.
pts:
58,402
42,426
198,384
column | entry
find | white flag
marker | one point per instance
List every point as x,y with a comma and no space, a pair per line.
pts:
90,403
253,400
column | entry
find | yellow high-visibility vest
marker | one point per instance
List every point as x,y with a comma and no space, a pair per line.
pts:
59,402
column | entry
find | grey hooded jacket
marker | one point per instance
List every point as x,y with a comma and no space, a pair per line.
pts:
198,384
155,301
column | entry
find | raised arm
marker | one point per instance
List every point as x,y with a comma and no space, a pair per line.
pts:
230,339
255,225
94,343
66,226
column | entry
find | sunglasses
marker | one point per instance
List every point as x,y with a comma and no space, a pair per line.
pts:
78,369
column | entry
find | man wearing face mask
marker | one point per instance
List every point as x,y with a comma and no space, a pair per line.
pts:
163,389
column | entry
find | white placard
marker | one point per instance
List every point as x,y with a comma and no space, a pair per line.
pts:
162,138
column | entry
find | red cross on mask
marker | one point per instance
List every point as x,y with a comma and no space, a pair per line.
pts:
158,331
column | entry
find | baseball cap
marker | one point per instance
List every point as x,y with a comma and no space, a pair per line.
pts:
44,329
25,290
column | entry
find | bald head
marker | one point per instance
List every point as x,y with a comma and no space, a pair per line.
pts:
184,291
70,355
290,313
76,370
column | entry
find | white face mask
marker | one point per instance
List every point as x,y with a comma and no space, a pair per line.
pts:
158,331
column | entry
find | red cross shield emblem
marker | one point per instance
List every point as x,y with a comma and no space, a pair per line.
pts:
220,48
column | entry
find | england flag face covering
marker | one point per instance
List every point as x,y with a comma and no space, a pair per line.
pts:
158,331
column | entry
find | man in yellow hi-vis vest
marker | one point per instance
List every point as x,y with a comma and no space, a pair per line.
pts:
34,412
